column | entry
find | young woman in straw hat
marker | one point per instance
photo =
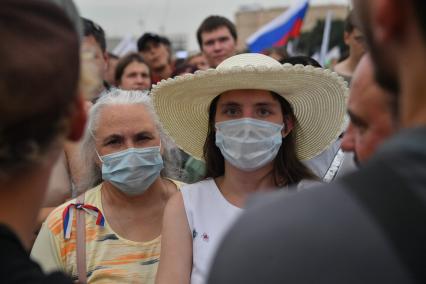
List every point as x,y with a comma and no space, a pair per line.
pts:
252,120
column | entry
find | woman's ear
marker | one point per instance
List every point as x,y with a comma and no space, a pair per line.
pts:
288,126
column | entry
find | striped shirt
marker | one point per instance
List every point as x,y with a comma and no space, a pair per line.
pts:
109,257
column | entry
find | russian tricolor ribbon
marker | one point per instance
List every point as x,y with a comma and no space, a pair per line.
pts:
68,214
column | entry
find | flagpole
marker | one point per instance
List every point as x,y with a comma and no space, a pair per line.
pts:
325,38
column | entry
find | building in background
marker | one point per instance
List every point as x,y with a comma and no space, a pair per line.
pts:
248,20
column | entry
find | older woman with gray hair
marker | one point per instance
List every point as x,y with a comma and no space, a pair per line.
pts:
124,152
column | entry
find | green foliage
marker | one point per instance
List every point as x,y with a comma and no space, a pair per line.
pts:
310,42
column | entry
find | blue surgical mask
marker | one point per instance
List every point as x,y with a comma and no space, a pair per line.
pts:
248,144
133,170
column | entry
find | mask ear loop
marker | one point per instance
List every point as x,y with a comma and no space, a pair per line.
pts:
96,151
99,156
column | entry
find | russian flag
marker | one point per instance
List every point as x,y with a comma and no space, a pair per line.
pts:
278,31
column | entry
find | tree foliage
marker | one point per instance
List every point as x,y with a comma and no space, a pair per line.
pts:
310,42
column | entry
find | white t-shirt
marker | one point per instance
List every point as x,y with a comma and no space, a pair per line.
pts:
209,216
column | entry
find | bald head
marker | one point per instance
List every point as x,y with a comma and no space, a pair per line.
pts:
364,85
372,113
363,75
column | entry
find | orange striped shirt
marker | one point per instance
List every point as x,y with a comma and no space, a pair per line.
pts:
110,258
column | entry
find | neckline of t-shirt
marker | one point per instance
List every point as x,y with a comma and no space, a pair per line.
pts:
98,200
222,197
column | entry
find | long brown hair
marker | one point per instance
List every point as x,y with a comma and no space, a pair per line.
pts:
288,169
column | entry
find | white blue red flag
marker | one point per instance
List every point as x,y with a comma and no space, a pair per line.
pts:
278,31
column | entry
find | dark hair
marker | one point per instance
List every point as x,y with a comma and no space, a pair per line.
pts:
420,11
36,94
392,104
150,37
350,23
212,23
95,30
124,62
183,67
113,56
280,50
301,59
288,169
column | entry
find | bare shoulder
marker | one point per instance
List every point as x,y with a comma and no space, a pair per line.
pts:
174,204
176,244
172,186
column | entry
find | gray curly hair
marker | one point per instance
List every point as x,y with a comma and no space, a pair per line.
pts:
92,174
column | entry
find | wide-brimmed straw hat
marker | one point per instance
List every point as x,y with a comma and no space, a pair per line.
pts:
318,97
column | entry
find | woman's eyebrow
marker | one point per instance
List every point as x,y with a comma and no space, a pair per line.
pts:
143,133
265,104
230,104
111,137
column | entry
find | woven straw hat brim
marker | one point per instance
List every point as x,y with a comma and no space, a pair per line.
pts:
318,97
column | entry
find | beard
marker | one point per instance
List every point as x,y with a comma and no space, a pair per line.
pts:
356,160
384,73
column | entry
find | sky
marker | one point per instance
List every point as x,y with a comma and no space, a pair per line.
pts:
134,17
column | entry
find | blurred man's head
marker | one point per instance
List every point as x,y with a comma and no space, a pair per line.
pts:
217,38
390,27
155,50
39,102
372,112
353,37
111,66
95,42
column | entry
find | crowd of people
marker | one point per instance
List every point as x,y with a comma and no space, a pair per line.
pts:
226,167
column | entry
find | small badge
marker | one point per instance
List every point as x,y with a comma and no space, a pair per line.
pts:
205,237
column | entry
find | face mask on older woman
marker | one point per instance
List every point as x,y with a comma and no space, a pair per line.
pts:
133,170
